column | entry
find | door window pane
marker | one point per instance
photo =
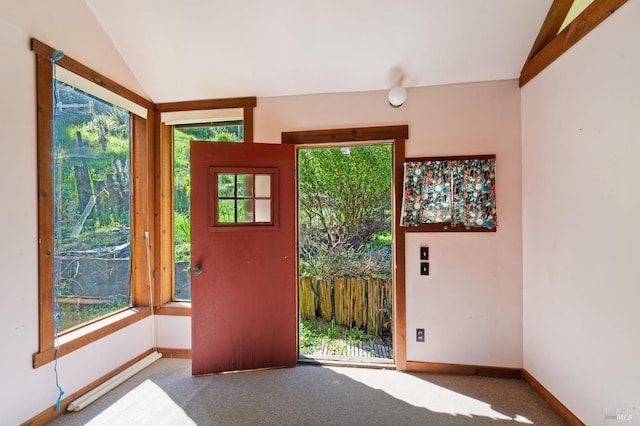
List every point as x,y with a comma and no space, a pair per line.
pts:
263,211
226,211
244,186
226,186
244,211
263,186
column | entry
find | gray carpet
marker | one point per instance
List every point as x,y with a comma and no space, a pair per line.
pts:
167,394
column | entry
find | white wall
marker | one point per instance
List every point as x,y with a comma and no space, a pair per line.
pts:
67,25
472,313
173,332
471,304
581,195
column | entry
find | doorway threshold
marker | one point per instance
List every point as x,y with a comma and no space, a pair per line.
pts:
346,361
343,352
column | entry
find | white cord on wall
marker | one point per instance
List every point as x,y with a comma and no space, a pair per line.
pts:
153,321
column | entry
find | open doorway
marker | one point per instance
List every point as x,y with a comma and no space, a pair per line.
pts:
345,240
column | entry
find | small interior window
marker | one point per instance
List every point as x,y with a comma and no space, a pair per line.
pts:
243,197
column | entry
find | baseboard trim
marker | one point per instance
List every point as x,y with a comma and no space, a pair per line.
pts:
50,413
175,353
554,402
499,372
464,369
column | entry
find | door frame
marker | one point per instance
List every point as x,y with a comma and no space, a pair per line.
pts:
398,136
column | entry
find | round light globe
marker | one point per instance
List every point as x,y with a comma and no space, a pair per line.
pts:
397,96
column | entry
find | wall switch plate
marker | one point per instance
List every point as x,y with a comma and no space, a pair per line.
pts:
424,253
424,268
419,334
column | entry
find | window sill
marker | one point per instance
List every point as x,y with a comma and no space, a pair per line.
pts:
90,333
174,309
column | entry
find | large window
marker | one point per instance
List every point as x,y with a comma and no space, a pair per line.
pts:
93,198
92,201
178,123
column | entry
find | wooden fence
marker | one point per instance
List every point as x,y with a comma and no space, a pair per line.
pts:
352,302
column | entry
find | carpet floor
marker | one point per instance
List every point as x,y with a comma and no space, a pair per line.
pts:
167,394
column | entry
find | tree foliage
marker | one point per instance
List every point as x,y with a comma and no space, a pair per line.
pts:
345,210
91,141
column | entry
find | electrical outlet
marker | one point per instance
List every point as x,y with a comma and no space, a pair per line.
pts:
419,334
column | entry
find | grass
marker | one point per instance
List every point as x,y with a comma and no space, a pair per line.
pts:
318,333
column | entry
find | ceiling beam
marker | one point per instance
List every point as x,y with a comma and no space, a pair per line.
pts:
590,18
551,25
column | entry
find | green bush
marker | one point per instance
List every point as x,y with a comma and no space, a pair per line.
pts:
345,211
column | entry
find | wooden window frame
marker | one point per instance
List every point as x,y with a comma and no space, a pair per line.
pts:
446,226
550,44
141,217
163,181
398,136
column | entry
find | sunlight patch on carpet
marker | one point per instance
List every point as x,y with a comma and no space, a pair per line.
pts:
421,393
147,404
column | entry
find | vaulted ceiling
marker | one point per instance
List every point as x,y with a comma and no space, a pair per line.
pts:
197,49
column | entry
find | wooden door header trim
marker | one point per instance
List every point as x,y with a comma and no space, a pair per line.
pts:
248,102
346,135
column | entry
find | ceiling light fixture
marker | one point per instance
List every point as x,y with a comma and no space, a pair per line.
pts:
397,96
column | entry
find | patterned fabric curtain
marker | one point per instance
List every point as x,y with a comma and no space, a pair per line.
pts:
427,193
474,199
460,192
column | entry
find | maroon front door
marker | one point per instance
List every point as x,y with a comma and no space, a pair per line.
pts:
243,256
